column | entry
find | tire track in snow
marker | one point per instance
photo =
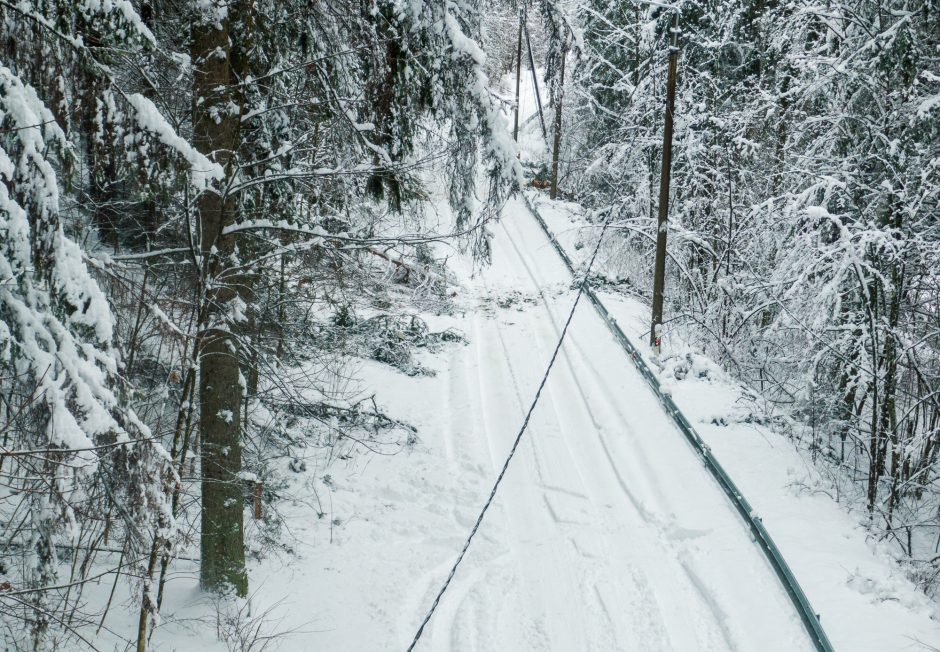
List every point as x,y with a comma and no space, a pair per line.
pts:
649,613
707,602
638,470
535,543
608,638
529,523
728,584
630,577
668,581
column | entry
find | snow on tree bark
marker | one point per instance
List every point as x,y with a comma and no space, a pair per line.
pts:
216,123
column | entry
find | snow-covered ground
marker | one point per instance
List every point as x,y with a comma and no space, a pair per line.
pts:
607,533
865,602
610,534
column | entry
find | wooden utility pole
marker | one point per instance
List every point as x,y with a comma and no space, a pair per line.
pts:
515,128
535,83
553,193
659,269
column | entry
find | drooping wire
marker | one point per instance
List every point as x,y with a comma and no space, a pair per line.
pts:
476,526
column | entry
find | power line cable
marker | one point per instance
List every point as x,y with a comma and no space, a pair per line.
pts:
515,445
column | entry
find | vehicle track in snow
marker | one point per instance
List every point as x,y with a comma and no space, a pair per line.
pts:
614,536
674,600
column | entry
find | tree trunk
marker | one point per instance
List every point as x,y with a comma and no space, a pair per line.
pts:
553,192
535,83
216,118
875,469
889,419
515,126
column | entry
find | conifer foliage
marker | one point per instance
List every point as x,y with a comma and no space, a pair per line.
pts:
183,185
205,203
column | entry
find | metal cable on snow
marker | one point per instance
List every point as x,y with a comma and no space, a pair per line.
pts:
581,289
761,536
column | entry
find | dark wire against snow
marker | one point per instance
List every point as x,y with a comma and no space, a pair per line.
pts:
564,331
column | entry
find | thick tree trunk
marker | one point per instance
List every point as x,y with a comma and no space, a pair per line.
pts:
216,118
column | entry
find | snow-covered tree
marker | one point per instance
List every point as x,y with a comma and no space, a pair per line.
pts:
802,221
73,450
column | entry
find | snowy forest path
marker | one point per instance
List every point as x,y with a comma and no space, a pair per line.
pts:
616,538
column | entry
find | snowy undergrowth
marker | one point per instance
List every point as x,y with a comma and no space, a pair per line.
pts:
340,481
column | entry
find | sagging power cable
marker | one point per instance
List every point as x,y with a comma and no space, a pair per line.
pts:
525,422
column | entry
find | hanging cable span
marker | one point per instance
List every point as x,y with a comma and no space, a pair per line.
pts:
582,286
